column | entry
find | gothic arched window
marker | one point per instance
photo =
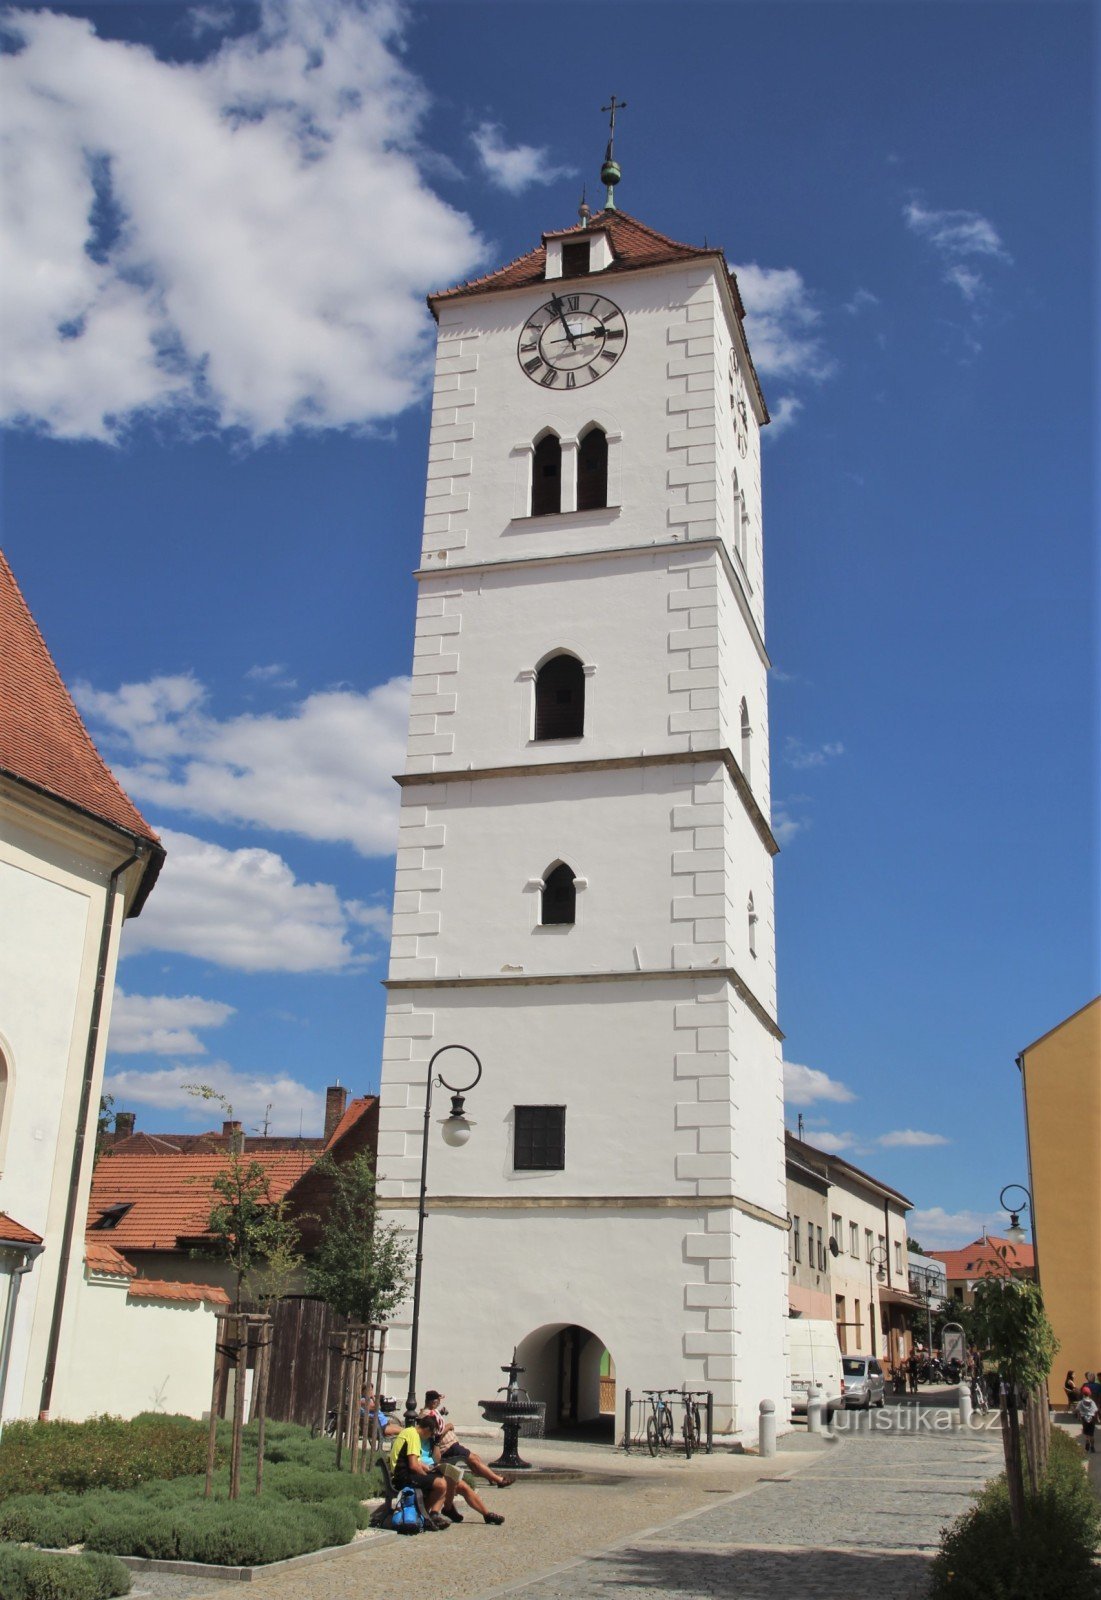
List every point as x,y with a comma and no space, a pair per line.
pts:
751,919
560,699
546,476
592,470
559,896
747,735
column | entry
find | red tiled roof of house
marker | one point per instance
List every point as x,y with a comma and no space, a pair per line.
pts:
43,741
99,1256
12,1232
136,1144
162,1289
168,1197
354,1110
983,1258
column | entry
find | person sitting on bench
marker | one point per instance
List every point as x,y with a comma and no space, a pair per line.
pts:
449,1448
410,1470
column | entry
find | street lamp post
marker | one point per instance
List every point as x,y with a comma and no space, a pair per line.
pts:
877,1258
1015,1233
456,1131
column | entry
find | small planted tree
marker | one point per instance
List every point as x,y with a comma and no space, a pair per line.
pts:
360,1266
1009,1323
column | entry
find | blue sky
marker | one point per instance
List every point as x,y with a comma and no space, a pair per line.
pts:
223,222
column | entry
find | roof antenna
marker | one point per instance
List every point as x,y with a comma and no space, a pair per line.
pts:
799,1135
609,172
583,212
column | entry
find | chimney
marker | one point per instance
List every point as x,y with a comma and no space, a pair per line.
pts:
336,1102
124,1124
234,1132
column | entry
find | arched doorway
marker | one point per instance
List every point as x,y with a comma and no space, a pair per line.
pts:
571,1370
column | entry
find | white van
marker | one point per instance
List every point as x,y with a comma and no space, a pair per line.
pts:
814,1356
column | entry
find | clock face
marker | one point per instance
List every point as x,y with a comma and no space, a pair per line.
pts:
572,340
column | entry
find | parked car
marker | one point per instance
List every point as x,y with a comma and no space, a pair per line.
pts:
814,1356
864,1385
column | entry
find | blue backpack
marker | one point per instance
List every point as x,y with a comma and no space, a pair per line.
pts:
407,1516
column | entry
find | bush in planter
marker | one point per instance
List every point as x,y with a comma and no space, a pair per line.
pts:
31,1575
242,1533
55,1521
103,1452
981,1558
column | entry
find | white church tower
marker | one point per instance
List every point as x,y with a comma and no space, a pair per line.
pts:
584,892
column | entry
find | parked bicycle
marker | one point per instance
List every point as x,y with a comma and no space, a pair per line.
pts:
661,1424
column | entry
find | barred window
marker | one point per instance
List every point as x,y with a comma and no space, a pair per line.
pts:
540,1138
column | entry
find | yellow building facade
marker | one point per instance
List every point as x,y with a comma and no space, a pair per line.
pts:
1061,1074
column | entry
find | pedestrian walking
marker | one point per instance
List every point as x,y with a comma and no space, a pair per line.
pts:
1087,1416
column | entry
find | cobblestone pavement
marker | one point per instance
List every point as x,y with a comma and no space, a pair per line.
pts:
820,1521
858,1523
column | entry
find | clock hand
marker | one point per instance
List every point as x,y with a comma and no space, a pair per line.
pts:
561,310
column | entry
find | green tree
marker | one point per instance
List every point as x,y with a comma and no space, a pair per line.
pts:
1009,1322
360,1266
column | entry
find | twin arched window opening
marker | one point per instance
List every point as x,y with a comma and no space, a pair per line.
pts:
560,699
559,896
592,473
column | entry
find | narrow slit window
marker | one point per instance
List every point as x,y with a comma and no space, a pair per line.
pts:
747,737
592,471
751,921
560,699
559,897
546,476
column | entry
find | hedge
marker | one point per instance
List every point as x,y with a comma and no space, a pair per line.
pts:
35,1575
981,1558
306,1505
102,1453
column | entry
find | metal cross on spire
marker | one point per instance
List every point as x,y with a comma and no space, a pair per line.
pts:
609,172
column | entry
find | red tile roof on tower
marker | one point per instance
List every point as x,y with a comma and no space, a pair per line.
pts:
12,1232
984,1259
153,1202
634,245
43,741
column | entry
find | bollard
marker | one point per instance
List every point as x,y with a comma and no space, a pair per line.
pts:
766,1429
965,1405
814,1410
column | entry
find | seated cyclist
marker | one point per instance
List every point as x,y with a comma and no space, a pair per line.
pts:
410,1469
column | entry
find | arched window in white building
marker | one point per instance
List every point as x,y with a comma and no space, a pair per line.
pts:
546,476
747,737
592,470
559,896
560,698
5,1107
751,921
738,519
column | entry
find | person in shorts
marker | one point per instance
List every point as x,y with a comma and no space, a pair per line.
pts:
1087,1416
449,1448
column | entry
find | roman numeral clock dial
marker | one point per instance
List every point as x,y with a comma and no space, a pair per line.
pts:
572,340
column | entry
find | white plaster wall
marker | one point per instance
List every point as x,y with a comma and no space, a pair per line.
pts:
52,886
129,1356
480,1298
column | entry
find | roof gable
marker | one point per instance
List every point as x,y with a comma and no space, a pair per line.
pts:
43,740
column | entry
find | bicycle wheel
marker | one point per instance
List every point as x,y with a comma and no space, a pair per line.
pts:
666,1428
697,1429
686,1433
653,1442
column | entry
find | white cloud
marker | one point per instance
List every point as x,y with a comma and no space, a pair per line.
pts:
514,168
275,674
781,324
782,415
785,827
958,237
294,1107
163,1025
244,241
938,1229
245,909
797,754
862,300
912,1138
835,1143
323,769
803,1086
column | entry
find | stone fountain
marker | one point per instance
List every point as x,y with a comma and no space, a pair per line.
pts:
509,1413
